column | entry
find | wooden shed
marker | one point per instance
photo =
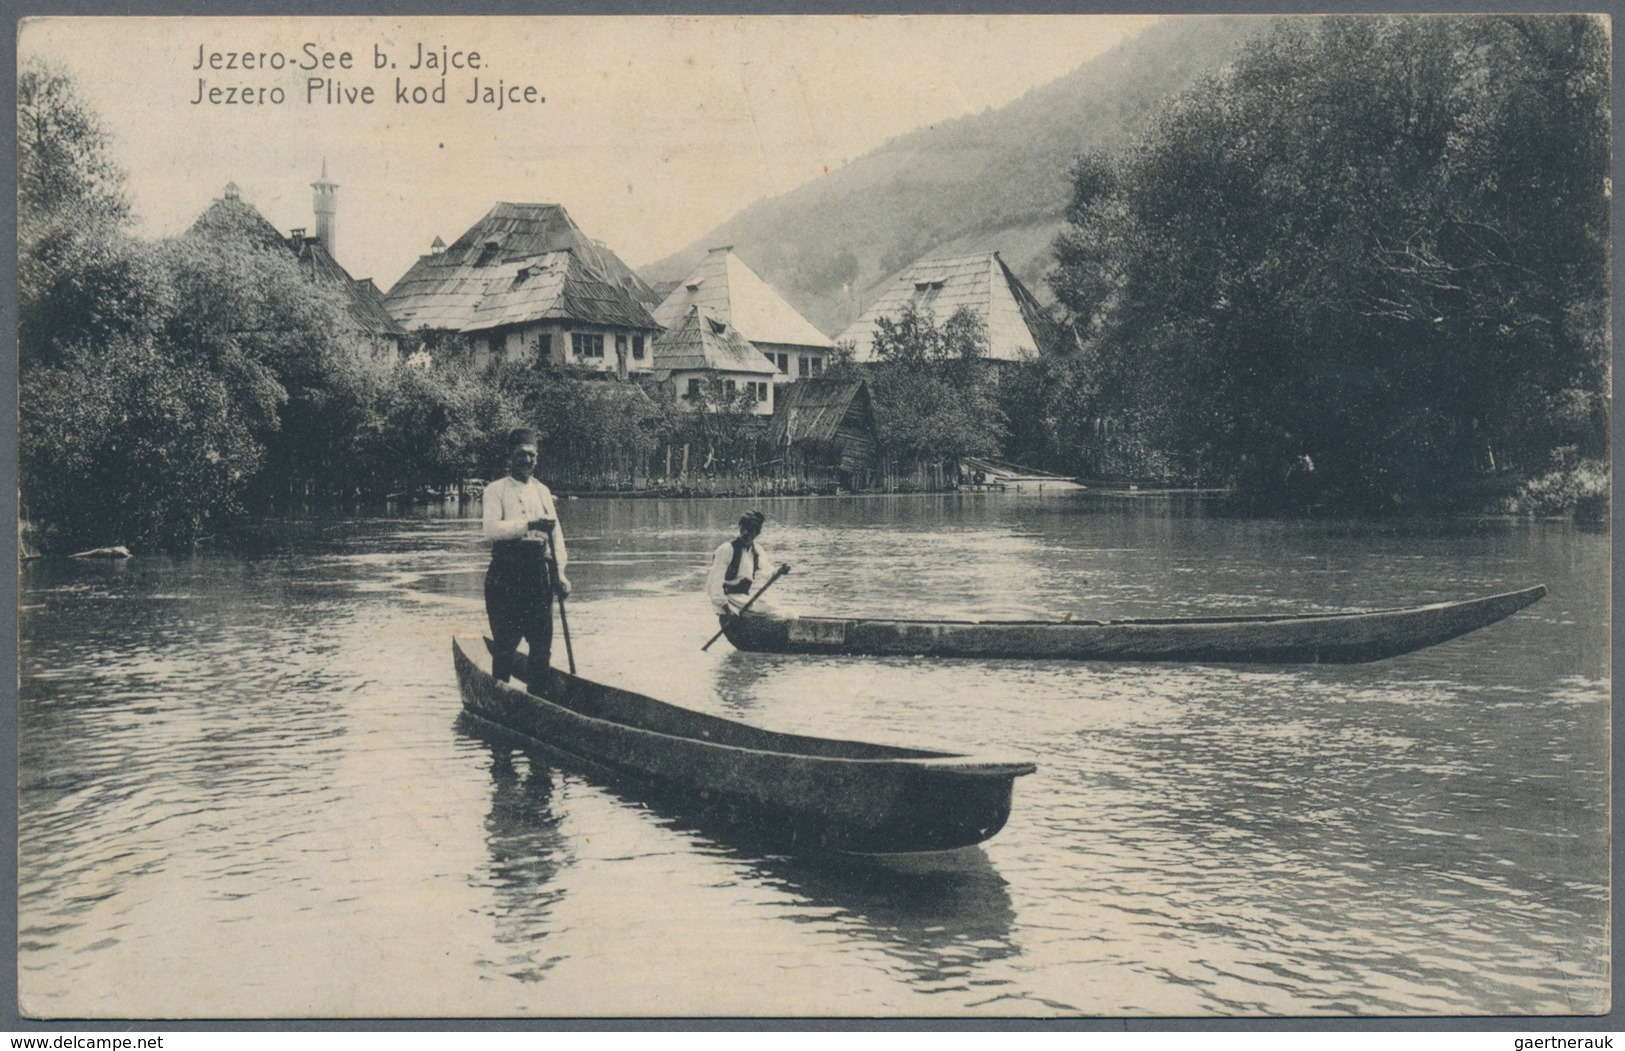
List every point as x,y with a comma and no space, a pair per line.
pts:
824,432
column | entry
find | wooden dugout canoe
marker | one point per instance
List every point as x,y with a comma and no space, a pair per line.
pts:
1310,638
817,792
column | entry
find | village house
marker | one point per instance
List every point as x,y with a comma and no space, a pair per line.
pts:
1017,328
525,284
707,363
724,288
231,215
823,430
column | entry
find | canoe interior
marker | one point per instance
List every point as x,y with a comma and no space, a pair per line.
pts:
1309,638
1530,594
767,839
811,793
623,707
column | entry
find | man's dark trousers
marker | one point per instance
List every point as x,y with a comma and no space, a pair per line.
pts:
519,605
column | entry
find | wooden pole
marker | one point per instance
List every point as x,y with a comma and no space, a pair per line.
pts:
777,573
564,622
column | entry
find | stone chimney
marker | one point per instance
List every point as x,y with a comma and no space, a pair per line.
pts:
327,205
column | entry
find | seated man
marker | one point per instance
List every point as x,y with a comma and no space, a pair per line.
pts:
735,567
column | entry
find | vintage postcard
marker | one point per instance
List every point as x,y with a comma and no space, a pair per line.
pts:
896,517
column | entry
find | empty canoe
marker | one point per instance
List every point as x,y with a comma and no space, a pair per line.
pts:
819,793
1310,638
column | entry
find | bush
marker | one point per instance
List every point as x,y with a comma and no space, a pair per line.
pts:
131,448
1581,489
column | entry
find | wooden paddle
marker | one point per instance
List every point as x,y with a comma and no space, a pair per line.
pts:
777,573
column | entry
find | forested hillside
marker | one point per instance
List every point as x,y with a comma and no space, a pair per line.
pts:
995,180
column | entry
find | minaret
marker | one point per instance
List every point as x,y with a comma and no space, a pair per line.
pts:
326,203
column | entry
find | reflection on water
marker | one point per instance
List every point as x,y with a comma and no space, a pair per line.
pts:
243,793
940,916
527,853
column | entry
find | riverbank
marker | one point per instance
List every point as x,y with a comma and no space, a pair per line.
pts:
1585,506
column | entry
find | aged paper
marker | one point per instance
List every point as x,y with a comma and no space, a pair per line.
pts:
274,816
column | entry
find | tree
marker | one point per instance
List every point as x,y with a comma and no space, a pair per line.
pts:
117,442
284,346
64,169
934,397
160,382
130,448
718,424
80,278
1051,406
1375,245
428,426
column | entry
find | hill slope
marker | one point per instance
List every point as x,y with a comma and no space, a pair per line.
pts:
995,180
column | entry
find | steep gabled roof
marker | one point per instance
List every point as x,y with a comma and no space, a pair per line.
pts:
705,343
361,298
813,409
550,286
509,234
1017,329
725,288
231,216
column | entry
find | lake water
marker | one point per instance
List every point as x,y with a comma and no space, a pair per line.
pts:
245,790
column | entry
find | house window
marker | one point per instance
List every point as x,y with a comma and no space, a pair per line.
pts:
693,388
544,348
637,348
784,364
620,345
587,344
730,388
818,366
761,392
801,366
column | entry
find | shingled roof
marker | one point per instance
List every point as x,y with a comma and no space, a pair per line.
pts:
723,287
444,289
361,298
705,343
1017,328
813,409
554,285
231,216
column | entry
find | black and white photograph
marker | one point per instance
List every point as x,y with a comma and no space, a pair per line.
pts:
762,516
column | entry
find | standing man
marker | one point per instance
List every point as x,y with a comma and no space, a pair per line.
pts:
527,562
735,565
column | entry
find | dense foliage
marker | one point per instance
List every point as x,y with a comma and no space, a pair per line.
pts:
168,386
934,391
1365,267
